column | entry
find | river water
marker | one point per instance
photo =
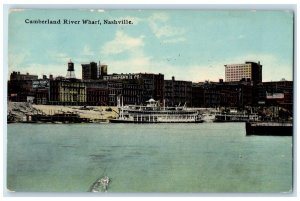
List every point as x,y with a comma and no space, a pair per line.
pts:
206,157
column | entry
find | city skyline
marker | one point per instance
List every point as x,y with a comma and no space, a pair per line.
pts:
190,45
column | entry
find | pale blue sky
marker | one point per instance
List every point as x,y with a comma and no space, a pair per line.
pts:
189,44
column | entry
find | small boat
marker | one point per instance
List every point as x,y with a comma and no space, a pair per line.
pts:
152,112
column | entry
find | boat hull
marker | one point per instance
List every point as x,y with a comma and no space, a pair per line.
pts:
224,121
150,122
272,129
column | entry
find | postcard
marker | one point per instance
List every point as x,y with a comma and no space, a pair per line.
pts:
150,101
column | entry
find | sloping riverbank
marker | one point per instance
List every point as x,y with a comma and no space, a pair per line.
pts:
17,111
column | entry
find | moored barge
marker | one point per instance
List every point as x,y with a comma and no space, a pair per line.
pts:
64,117
269,128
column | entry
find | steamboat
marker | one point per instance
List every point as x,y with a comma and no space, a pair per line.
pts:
152,112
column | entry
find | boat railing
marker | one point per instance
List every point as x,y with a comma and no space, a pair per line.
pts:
166,112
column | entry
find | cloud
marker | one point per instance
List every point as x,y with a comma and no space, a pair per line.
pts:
15,60
58,57
87,51
43,69
86,55
130,65
121,43
158,23
137,61
145,64
274,68
241,36
174,40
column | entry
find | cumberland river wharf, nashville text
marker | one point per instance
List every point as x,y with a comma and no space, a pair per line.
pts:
83,21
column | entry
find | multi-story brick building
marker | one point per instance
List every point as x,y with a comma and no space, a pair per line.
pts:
249,71
41,90
151,86
222,94
130,89
67,92
18,76
19,90
177,92
20,86
97,92
275,93
205,94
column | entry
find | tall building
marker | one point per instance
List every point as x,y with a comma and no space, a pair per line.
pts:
103,70
248,70
90,71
